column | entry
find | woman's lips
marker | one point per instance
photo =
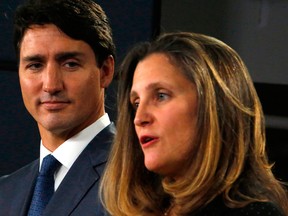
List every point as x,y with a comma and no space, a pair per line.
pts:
147,140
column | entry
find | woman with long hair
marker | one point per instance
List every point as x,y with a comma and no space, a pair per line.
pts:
190,134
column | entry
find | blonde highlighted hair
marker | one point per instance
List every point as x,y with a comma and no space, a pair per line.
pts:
230,160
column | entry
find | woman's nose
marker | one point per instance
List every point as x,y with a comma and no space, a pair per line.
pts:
143,116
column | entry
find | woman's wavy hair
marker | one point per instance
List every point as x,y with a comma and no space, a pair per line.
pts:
230,160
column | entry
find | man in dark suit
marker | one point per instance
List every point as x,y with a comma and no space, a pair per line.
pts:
66,60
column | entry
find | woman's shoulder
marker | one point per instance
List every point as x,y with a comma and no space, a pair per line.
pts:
218,208
257,208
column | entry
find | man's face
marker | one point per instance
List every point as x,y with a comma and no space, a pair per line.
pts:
61,83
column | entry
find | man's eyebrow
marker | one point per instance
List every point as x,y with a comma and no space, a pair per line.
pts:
67,55
59,57
31,58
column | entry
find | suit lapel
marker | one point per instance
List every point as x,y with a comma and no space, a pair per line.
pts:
84,173
28,183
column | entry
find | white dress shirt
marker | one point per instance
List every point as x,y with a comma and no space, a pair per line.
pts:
69,151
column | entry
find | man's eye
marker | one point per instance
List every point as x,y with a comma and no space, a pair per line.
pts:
71,64
34,66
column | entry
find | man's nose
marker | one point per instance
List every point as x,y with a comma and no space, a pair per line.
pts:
52,79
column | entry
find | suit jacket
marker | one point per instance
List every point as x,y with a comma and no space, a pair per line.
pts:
76,195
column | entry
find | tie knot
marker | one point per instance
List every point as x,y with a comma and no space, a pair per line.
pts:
49,165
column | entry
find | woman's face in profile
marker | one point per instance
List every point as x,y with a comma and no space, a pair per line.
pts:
165,105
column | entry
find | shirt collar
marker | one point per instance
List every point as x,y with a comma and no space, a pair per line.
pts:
68,151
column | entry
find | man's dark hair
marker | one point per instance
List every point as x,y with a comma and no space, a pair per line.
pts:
79,19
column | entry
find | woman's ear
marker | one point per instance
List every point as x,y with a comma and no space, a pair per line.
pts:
107,71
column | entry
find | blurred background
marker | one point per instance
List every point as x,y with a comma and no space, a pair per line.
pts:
256,29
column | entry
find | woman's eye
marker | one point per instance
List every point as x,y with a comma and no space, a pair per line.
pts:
162,96
135,104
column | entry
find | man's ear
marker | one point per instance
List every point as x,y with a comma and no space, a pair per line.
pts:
107,71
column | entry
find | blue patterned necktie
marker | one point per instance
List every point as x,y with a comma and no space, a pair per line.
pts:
44,187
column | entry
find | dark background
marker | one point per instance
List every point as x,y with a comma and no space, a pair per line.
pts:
256,29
